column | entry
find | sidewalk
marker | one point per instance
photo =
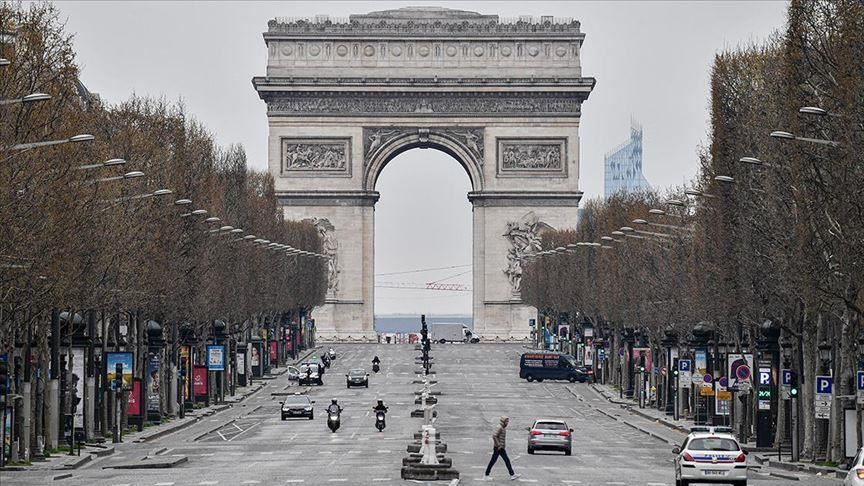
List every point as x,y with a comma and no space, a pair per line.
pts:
62,461
682,427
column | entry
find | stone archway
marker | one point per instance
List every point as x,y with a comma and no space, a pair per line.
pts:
503,98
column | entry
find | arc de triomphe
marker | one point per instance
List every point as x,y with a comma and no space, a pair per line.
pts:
502,97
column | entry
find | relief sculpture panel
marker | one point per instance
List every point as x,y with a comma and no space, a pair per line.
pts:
316,157
532,156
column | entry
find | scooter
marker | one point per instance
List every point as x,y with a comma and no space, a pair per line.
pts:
376,368
333,421
325,360
379,420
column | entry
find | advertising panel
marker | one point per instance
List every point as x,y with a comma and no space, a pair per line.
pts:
215,357
78,380
127,360
153,383
241,363
645,353
274,352
740,371
186,369
199,380
133,398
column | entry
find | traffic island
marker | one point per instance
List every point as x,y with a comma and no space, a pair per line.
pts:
146,463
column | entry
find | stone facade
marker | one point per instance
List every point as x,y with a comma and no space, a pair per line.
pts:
503,98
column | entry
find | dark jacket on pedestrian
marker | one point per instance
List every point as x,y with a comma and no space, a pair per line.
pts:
499,438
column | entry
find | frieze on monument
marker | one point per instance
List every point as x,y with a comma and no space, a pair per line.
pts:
532,156
424,20
316,155
342,103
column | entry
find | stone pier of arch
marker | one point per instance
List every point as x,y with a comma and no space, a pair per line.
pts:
504,99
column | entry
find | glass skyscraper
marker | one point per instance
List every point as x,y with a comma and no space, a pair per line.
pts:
623,165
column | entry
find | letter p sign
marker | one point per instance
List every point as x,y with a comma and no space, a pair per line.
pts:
824,385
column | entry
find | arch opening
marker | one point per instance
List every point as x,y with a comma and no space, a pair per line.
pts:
467,152
423,234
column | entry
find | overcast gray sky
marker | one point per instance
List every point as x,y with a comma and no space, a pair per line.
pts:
651,59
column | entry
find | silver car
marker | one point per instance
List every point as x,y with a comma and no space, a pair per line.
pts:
550,434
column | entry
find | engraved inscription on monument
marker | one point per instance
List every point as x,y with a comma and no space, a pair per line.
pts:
319,156
532,156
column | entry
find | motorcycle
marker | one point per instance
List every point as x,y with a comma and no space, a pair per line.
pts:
379,420
332,354
333,421
376,368
325,360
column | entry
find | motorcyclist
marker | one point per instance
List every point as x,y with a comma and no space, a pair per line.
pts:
334,407
375,360
380,407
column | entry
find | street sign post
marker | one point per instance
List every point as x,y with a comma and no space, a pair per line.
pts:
822,398
685,370
785,383
860,388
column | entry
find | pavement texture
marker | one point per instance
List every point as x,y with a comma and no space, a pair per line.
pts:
248,443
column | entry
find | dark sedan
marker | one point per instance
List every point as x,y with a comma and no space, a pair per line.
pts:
357,377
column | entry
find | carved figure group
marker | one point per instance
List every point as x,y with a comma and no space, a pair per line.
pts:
315,156
331,249
524,238
531,156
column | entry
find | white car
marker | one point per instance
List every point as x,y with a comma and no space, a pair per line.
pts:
293,373
855,477
710,455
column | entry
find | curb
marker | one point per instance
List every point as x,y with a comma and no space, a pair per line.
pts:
784,476
74,464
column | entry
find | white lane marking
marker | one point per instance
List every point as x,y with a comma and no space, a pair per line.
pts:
164,484
220,435
295,480
207,454
337,480
325,452
205,483
571,481
267,453
251,481
616,482
383,451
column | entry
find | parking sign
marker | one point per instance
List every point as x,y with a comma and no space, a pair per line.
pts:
861,387
786,377
824,385
685,370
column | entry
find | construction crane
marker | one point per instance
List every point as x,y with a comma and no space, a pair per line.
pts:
450,287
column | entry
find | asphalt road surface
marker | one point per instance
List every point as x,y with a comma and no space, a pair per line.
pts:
250,444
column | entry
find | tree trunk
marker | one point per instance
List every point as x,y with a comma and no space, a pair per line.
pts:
809,338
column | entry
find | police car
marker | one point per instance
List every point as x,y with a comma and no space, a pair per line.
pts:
710,455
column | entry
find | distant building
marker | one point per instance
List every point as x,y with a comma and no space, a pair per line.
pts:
623,165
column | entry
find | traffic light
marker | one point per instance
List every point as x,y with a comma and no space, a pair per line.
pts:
118,376
793,384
